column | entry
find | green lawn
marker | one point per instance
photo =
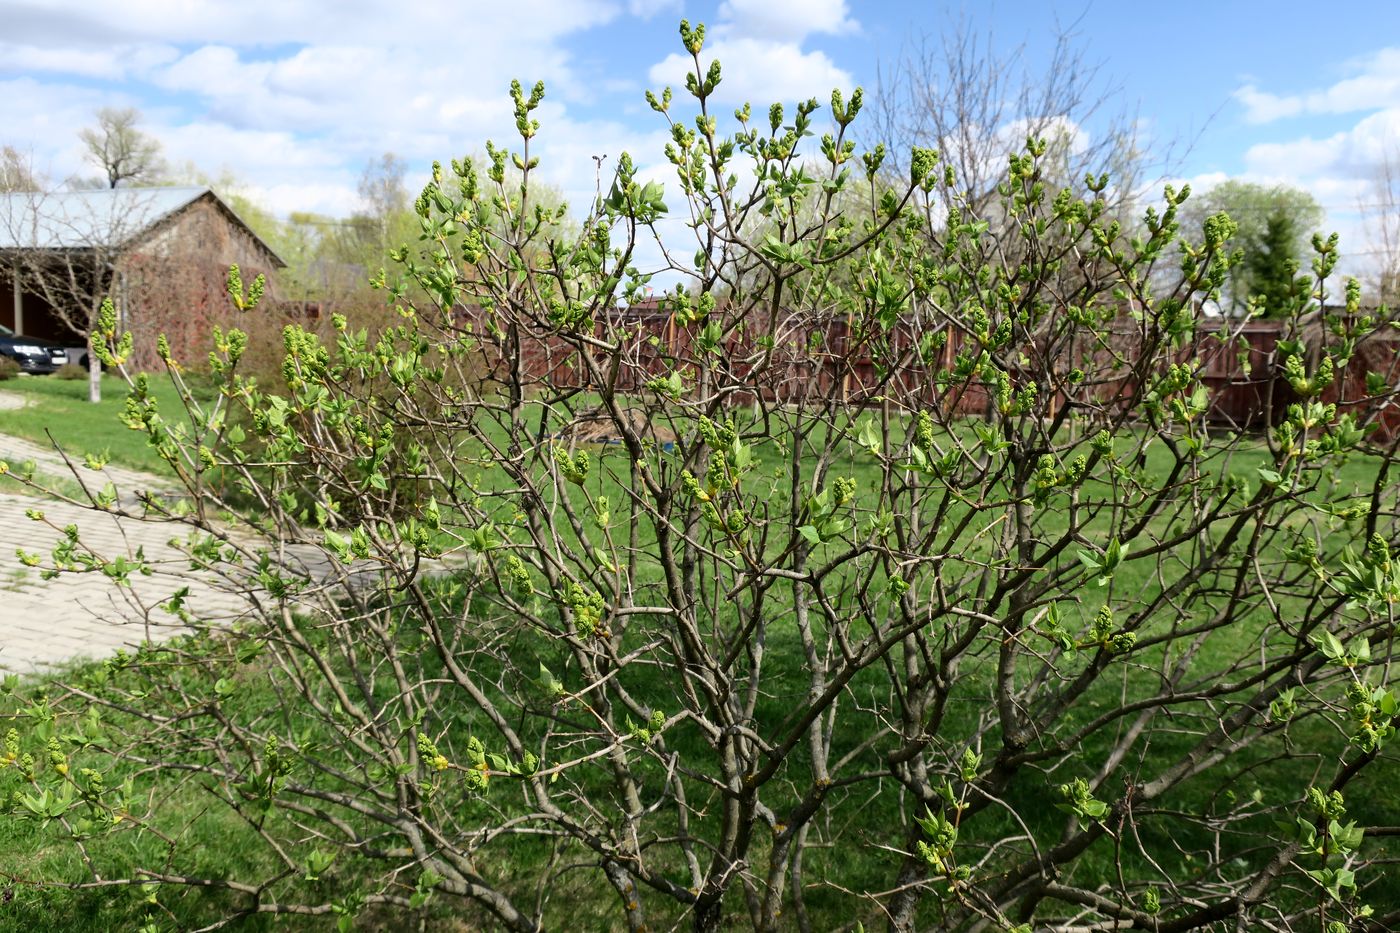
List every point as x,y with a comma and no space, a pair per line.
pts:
58,411
61,407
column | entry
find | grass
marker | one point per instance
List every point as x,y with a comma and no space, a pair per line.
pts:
58,411
1279,782
217,839
219,844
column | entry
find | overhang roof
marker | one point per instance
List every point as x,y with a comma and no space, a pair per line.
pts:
107,218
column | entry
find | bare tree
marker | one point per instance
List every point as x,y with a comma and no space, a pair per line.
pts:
1382,218
977,106
123,152
66,249
386,203
16,172
382,185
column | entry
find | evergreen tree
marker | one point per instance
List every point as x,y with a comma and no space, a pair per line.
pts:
1254,207
1272,264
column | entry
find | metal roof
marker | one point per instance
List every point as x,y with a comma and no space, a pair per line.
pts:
103,218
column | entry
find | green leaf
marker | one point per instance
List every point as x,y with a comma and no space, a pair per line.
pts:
1330,646
869,436
249,650
340,546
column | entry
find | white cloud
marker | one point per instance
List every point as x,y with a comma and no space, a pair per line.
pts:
325,199
759,46
759,71
1060,132
1295,158
1262,107
783,20
442,24
87,63
43,119
292,102
1352,153
1374,84
213,145
1339,169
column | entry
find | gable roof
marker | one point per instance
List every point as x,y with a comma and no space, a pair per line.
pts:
106,218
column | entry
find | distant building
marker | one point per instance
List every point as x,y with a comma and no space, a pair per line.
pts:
165,253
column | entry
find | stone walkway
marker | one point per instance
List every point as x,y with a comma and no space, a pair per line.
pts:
49,462
44,623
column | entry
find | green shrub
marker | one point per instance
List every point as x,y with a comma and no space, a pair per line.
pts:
916,592
70,372
9,369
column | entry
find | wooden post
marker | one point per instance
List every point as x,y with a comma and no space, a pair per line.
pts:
121,301
846,362
19,302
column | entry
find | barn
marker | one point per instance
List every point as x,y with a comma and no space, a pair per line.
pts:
162,254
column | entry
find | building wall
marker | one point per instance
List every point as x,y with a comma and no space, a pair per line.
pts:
204,230
173,283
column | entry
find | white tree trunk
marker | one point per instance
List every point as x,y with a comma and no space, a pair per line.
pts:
94,373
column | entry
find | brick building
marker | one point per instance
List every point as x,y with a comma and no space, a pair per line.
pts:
161,253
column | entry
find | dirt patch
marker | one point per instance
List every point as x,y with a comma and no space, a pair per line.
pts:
9,401
597,427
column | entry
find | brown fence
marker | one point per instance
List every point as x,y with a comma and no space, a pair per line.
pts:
1249,390
816,359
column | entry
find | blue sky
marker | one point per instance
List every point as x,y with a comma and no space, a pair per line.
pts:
292,98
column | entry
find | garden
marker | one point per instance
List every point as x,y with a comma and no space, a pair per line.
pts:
1013,635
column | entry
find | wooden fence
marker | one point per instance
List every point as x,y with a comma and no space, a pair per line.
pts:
813,360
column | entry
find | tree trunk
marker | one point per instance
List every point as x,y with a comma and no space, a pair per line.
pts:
94,372
708,914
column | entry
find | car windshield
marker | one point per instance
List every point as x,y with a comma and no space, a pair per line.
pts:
5,331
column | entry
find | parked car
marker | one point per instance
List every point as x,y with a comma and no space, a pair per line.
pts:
31,353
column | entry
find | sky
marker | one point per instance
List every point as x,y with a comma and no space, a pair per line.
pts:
293,98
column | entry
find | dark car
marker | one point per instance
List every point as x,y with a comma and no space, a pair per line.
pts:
31,353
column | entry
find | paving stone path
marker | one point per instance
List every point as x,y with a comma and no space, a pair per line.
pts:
44,623
47,623
49,462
